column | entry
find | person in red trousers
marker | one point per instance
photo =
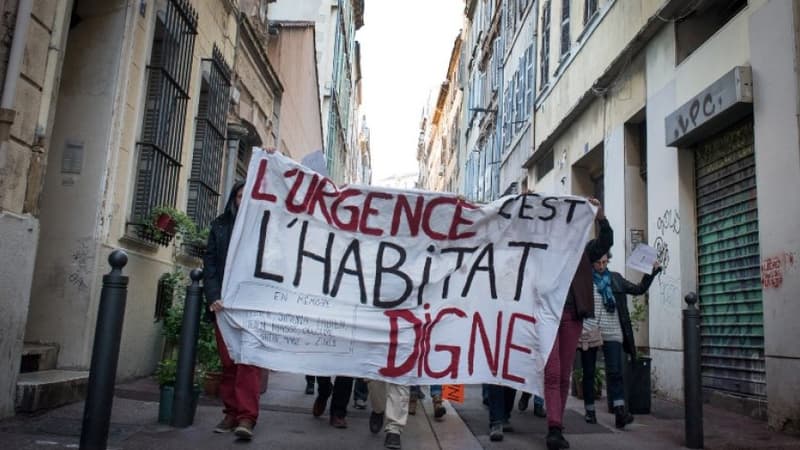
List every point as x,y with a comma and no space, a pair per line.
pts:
240,387
578,306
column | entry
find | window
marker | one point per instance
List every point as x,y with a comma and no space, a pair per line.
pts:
544,65
589,10
209,140
565,40
529,80
506,119
511,19
519,108
166,96
497,69
695,27
545,165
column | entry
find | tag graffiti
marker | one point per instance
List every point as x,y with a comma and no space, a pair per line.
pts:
774,268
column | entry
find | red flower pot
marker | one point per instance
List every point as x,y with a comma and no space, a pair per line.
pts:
166,224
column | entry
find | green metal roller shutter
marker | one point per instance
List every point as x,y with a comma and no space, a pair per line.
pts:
729,263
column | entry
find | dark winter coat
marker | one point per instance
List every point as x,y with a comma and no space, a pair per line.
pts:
581,290
219,237
621,289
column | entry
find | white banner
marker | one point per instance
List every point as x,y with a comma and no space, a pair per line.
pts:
407,286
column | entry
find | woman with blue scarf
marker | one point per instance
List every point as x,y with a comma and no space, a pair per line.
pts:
610,329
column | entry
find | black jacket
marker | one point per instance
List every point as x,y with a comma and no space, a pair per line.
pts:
621,288
219,237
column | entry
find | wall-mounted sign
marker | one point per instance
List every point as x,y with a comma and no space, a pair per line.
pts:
725,101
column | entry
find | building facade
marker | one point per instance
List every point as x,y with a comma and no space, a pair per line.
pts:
292,50
674,114
335,25
438,150
31,57
112,110
681,117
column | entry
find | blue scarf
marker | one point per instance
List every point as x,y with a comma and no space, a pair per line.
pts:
603,283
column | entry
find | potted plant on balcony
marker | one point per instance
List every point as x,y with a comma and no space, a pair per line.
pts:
195,241
164,223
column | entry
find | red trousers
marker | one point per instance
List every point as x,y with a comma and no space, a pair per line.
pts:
240,386
559,368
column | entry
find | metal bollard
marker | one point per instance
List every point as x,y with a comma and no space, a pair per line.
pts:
105,354
183,401
692,377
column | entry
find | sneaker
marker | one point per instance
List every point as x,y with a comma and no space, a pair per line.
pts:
338,422
539,411
622,417
412,405
244,430
496,432
392,441
590,417
375,422
227,425
555,440
507,427
310,388
522,405
359,404
438,408
319,406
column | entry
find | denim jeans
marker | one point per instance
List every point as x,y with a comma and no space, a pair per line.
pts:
501,401
360,391
436,389
612,352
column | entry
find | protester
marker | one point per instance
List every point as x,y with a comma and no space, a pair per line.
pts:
501,402
578,306
309,384
240,386
538,404
360,394
389,403
611,328
436,398
415,394
341,390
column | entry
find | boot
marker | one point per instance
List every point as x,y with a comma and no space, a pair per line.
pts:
555,440
412,405
622,417
438,408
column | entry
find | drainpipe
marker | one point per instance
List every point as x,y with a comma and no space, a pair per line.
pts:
7,114
56,46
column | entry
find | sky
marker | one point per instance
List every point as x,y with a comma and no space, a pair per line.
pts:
405,49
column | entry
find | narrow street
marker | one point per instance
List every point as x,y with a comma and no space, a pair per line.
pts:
285,422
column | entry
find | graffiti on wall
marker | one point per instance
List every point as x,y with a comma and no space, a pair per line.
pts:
670,220
82,261
668,223
775,267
